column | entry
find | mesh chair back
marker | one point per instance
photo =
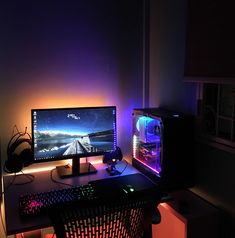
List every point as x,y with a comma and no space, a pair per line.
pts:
127,217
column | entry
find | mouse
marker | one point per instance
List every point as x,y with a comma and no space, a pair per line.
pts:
127,188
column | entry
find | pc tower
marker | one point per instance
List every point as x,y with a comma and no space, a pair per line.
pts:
162,144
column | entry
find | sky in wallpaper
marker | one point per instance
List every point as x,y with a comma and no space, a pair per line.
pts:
80,121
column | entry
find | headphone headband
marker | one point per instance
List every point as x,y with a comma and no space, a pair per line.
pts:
18,135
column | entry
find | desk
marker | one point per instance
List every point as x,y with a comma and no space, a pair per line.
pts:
14,224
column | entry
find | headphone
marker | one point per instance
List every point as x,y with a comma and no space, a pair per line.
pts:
15,162
113,157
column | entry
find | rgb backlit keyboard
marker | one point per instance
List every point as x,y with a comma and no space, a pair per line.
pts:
38,203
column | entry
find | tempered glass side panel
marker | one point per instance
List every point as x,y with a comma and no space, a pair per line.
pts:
147,142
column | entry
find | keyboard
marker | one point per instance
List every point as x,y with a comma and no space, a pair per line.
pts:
38,203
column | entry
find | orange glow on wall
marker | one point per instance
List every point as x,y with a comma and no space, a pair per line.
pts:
60,99
17,109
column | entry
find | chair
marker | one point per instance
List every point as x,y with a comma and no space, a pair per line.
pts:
129,217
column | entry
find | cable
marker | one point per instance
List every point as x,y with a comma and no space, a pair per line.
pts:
58,182
30,178
124,168
13,130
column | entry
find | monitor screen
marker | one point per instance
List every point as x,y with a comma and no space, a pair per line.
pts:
72,133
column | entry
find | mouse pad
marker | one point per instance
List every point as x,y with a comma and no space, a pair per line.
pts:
116,186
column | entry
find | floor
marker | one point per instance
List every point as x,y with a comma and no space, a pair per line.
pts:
37,234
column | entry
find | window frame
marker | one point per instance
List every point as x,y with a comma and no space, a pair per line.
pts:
215,140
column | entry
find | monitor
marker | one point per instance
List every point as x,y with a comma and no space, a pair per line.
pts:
73,133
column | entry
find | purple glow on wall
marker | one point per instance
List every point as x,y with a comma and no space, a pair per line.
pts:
70,54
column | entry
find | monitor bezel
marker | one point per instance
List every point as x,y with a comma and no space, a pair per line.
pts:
71,156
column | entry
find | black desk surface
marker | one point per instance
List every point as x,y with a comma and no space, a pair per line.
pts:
13,223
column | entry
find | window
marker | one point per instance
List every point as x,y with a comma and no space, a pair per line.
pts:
218,114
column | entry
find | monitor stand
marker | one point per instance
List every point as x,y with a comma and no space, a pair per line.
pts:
76,169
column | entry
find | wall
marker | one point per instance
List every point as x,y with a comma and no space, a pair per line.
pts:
216,182
167,42
69,54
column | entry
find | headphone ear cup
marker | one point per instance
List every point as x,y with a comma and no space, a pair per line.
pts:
26,156
13,164
15,144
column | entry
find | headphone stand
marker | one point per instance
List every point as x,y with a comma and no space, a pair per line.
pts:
112,170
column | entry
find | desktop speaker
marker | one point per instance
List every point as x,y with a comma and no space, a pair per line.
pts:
19,152
111,160
113,156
